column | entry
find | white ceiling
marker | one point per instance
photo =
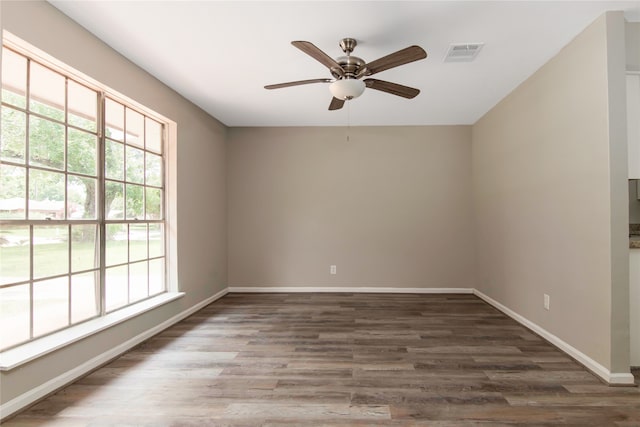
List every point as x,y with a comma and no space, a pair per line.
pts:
220,54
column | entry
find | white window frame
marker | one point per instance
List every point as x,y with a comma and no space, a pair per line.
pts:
37,347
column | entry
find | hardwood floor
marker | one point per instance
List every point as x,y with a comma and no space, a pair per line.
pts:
341,360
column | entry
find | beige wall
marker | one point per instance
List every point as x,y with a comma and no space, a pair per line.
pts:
632,43
618,187
634,202
632,38
389,207
201,182
550,196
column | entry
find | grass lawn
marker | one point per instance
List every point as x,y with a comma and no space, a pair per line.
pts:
53,259
50,296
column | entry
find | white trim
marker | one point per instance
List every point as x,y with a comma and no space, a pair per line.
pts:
43,390
593,366
352,289
621,379
171,204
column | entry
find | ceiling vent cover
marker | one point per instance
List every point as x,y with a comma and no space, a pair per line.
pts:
463,52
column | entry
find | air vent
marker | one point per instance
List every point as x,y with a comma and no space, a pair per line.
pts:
463,52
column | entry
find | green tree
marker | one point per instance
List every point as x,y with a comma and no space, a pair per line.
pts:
47,149
13,137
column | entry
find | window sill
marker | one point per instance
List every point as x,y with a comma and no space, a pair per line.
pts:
25,353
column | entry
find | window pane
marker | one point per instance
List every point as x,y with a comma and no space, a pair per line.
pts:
153,135
154,203
14,315
135,201
135,165
156,276
114,160
14,135
116,287
153,170
14,253
82,195
117,248
138,277
85,250
50,305
137,242
114,119
156,240
82,103
12,192
46,194
46,143
85,297
135,128
14,78
50,250
46,92
114,200
81,152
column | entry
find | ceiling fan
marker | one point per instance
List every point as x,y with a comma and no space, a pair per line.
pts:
348,71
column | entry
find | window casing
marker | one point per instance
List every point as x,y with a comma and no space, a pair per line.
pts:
82,200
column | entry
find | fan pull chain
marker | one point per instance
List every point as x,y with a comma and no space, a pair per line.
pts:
348,119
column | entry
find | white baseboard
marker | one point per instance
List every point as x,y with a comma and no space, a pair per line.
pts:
43,390
357,289
595,367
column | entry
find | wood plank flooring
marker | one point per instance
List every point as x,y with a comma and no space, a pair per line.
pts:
341,360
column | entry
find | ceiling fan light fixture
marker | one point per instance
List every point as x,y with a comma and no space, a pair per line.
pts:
346,89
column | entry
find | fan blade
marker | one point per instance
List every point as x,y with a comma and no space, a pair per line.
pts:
336,104
314,52
298,83
392,88
401,57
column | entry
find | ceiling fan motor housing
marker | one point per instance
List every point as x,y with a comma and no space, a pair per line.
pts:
351,65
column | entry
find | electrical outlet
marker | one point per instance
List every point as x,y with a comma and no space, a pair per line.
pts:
332,269
547,301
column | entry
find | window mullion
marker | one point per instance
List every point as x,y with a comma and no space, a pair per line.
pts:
66,197
66,148
26,142
69,290
27,190
101,214
31,282
144,193
125,202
